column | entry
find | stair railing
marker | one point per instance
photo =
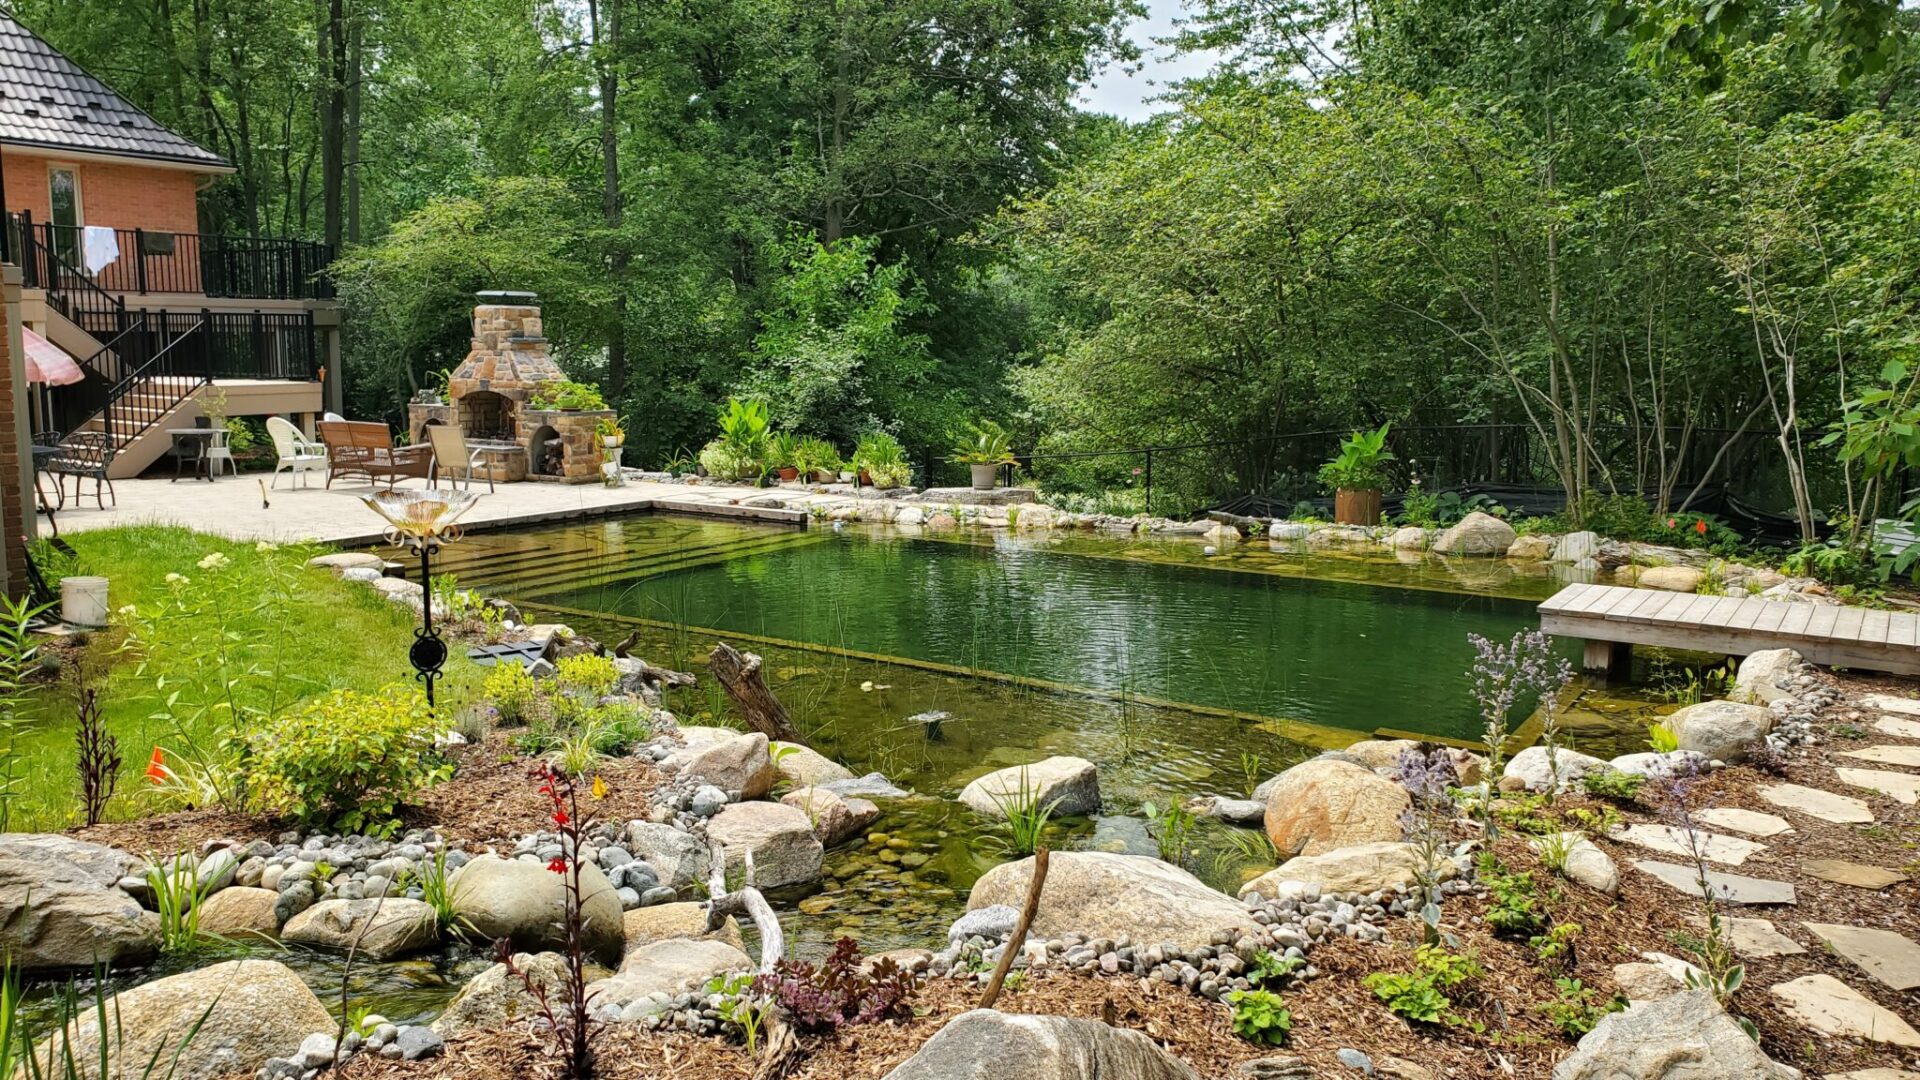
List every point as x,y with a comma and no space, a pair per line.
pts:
153,388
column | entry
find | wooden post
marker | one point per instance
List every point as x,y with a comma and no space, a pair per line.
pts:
740,674
1020,928
1608,659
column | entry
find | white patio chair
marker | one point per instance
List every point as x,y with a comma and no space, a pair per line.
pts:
294,451
452,456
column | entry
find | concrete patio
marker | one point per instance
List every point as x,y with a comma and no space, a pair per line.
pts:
243,508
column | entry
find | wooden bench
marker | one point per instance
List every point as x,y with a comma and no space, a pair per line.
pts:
362,448
1612,619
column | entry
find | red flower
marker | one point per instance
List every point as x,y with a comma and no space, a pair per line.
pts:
560,817
558,866
1672,522
1700,526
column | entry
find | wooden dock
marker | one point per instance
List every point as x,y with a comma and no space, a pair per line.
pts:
1612,619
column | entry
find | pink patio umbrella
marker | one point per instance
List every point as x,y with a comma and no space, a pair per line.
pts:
49,363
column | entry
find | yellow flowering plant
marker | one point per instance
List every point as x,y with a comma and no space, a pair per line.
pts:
348,760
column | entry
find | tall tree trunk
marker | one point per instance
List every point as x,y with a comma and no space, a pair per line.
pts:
606,46
332,42
355,75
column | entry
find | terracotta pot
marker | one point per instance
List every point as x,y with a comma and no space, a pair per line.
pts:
789,473
1356,507
865,480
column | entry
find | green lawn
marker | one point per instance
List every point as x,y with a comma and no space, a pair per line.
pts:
318,635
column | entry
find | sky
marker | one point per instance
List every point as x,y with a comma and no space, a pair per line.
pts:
1125,93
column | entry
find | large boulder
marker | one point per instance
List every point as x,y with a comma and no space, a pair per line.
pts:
1722,730
834,819
1686,1036
380,929
60,906
1670,578
1361,868
780,838
740,764
1476,534
525,903
1576,547
1762,677
1325,804
1070,785
665,922
1107,895
246,1011
802,767
497,997
668,967
678,858
241,912
1531,548
1529,770
988,1045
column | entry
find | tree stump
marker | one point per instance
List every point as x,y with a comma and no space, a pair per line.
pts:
739,673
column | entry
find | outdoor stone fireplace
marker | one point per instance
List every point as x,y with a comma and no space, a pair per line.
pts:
489,397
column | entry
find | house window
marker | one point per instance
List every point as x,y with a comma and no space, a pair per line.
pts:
63,197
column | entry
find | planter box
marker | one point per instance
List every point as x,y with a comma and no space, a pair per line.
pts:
1356,507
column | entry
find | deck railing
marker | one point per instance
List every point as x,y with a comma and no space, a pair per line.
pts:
208,264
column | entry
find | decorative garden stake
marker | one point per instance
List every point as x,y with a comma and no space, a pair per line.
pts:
422,521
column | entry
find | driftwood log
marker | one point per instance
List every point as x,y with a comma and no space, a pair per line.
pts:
746,901
740,674
1020,928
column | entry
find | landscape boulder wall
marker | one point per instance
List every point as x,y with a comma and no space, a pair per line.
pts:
1721,730
1325,804
60,907
379,928
1070,784
988,1045
525,903
741,764
1109,895
667,968
1476,534
254,1010
1683,1037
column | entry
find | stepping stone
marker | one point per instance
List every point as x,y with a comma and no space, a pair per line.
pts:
1894,785
1900,729
1755,939
1854,874
1831,1007
1673,840
1883,954
1888,703
1825,805
1751,822
1908,756
1731,888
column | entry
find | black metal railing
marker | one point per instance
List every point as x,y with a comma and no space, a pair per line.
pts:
151,389
147,261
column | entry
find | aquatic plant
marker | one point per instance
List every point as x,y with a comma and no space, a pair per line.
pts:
26,1055
841,991
178,895
437,891
1171,827
1026,817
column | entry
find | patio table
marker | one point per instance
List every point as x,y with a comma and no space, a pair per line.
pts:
183,439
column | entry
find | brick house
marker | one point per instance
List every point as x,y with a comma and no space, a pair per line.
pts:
103,222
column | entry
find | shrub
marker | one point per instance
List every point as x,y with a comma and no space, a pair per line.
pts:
726,462
349,759
588,673
512,690
1260,1016
838,993
1422,994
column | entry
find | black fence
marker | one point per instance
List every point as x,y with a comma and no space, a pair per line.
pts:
205,264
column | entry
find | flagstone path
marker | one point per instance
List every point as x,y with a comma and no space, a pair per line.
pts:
1883,954
1730,888
1894,785
1831,1007
1673,840
1813,802
1902,729
1751,822
1906,756
1756,939
1857,875
1889,703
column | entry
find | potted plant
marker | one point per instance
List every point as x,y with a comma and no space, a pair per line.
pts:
991,448
1356,475
881,460
610,434
566,395
741,450
783,452
815,458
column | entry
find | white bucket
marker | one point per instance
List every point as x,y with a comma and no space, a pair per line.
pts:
83,600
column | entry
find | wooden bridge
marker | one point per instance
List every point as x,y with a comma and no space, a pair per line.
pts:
1612,619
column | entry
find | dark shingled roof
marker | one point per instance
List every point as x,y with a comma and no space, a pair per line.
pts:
48,100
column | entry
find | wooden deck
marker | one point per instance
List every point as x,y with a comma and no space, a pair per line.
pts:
1610,618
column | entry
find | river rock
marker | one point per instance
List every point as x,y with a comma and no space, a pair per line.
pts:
871,786
1476,534
1657,766
60,906
1107,895
496,997
1528,768
1588,865
668,967
1070,785
1670,578
1530,548
1762,675
1358,868
1231,811
1409,538
983,1043
1685,1036
1721,730
1381,753
741,763
1325,804
525,903
802,767
381,929
780,838
241,912
834,819
665,922
679,859
252,1010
